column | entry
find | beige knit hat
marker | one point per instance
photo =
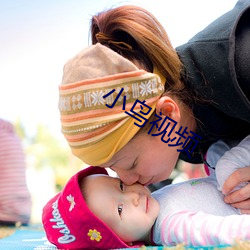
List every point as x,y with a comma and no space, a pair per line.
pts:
96,121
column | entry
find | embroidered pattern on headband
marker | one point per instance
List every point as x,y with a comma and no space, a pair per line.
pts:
82,98
84,109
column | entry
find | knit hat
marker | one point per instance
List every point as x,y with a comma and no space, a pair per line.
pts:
69,223
104,100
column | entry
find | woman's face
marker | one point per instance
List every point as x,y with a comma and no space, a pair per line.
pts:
145,159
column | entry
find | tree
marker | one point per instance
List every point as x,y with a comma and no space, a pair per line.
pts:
45,150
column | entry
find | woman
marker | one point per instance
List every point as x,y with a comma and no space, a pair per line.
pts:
206,96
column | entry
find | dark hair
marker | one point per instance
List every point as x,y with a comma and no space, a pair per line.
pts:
136,34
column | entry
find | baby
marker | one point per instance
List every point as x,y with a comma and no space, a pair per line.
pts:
96,211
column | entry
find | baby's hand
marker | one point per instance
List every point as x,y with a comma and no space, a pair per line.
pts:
241,197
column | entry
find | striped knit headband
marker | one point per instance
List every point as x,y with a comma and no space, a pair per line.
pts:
99,91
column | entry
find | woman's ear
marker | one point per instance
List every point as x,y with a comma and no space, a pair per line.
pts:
166,106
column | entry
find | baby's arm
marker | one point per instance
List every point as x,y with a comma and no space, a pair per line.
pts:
235,158
214,153
201,229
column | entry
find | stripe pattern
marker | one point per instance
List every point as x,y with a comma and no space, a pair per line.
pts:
202,229
15,200
86,119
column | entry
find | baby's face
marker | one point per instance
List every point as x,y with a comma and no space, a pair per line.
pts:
130,211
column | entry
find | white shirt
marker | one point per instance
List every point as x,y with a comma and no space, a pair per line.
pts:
194,212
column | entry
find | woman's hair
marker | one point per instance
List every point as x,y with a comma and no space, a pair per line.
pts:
137,35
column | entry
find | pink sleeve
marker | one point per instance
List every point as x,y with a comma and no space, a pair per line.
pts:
201,229
15,200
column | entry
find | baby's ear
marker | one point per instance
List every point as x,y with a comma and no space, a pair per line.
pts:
166,106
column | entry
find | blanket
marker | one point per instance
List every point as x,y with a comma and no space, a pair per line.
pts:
33,237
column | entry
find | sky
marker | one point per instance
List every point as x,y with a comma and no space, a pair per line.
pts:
38,37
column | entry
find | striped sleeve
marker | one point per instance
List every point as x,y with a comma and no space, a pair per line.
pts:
201,229
15,200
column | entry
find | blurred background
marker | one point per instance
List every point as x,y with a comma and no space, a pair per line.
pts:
36,39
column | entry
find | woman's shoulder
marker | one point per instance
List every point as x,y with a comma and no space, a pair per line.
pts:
209,65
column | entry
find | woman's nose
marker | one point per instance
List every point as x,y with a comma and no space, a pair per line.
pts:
126,177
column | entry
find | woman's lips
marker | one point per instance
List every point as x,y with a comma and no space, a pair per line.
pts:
148,182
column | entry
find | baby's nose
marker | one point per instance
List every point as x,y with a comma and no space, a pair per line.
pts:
133,198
